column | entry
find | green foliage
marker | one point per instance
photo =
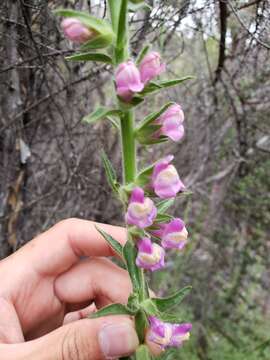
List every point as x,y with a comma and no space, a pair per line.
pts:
114,244
89,56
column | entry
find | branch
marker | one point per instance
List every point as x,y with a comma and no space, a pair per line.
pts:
222,43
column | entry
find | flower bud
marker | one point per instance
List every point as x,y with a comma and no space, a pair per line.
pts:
150,256
128,80
151,66
141,210
174,235
75,31
166,334
165,179
172,123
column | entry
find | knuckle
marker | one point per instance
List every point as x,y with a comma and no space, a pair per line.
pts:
73,346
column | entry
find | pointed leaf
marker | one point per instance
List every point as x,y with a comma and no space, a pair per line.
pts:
164,304
122,25
142,353
110,173
101,113
164,205
157,86
99,42
162,218
142,53
136,7
153,116
135,273
113,309
114,244
151,309
99,57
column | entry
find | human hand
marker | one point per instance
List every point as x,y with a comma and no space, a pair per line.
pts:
47,288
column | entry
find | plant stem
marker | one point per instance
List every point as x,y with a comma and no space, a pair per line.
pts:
128,146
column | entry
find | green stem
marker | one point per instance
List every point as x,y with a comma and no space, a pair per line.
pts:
128,146
119,17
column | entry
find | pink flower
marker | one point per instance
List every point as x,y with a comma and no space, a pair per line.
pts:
128,81
166,334
172,123
75,31
151,66
174,235
141,210
150,256
165,179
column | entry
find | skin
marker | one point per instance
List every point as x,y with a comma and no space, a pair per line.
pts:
51,284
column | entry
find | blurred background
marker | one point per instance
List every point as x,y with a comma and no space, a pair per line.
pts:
50,165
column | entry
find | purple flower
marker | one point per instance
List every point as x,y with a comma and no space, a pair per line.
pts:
151,66
165,179
174,235
166,334
172,123
141,210
75,31
150,256
128,81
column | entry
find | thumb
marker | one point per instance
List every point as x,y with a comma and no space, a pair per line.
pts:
104,338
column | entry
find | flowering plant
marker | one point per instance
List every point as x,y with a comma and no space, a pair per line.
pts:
147,194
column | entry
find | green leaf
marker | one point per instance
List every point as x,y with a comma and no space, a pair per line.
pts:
142,53
153,116
135,101
164,304
113,309
135,273
142,353
141,324
110,172
99,25
114,244
151,309
99,57
164,205
162,218
136,7
101,113
157,86
99,42
122,25
144,175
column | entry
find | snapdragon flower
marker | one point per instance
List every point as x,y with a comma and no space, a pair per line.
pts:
165,179
77,32
172,123
151,66
150,256
166,334
174,235
141,210
128,80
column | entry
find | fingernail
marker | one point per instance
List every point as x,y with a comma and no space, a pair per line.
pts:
117,340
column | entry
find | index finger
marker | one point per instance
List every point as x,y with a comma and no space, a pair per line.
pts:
57,249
